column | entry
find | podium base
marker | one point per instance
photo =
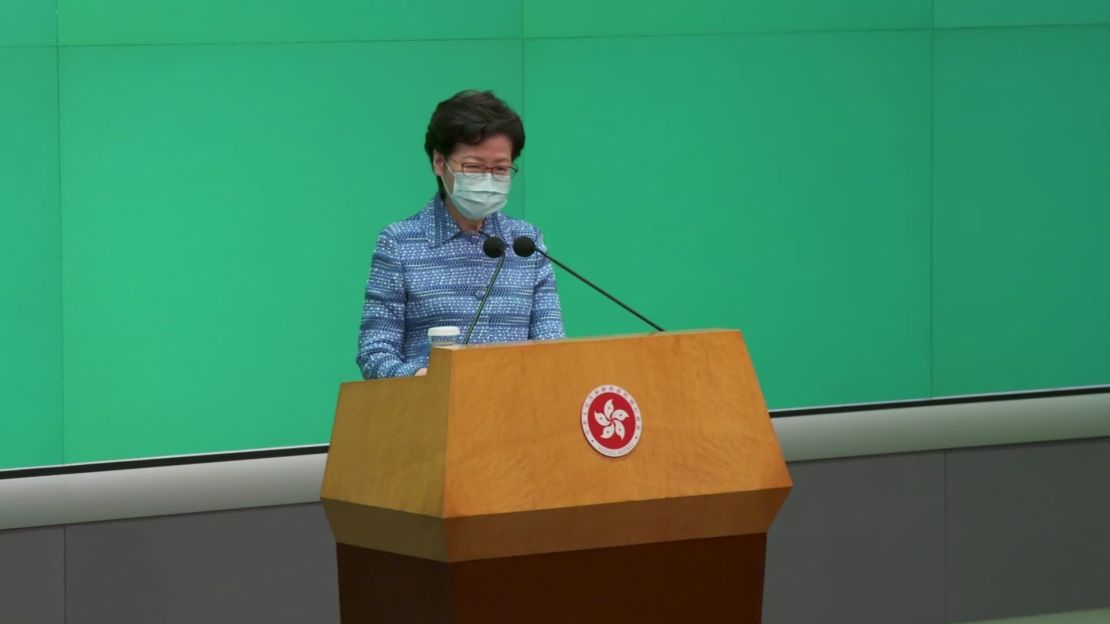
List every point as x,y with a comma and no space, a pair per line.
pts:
705,581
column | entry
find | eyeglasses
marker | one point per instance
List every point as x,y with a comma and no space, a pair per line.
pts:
499,170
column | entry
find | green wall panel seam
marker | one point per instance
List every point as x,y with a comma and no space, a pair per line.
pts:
209,44
61,247
811,31
932,204
1024,26
731,33
523,100
525,39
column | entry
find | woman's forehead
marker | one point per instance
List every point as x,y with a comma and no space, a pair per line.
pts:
497,147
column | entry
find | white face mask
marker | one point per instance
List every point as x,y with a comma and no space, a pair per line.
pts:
478,195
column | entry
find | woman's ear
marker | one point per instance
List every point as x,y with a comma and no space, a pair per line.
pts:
437,163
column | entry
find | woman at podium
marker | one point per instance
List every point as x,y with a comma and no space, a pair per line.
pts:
430,270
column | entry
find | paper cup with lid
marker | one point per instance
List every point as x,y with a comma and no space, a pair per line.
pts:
443,336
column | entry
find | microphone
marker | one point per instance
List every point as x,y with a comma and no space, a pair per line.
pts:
493,247
524,246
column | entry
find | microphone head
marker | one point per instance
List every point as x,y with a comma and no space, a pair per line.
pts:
494,247
524,246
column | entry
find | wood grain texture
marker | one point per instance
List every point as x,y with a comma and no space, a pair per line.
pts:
705,581
553,530
515,441
387,530
388,444
614,524
490,442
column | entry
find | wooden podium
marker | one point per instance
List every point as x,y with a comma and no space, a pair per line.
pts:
474,494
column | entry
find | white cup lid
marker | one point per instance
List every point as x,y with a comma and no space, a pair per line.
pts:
443,331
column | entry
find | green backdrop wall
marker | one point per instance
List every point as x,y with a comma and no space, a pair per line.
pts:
893,199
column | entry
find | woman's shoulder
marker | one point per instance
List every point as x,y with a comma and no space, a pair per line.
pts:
408,228
513,227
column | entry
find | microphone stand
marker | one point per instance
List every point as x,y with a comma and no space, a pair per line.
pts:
498,247
524,246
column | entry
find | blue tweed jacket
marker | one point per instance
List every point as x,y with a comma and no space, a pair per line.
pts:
426,272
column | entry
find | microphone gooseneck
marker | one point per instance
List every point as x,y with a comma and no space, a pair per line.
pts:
524,246
493,247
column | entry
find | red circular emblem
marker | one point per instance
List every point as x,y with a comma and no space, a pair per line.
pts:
611,421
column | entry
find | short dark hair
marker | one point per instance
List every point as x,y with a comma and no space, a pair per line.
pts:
471,117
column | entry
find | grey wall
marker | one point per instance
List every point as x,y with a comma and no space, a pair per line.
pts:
944,536
860,540
32,575
1028,529
273,565
940,536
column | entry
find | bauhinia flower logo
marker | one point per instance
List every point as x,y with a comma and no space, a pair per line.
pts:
611,421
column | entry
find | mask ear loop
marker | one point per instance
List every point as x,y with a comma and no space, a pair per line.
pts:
443,178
